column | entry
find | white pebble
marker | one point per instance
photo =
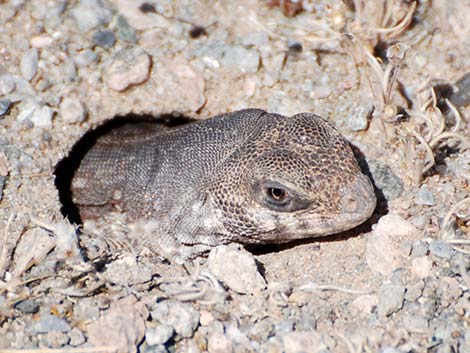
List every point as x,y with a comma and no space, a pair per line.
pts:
89,14
7,84
42,41
237,268
42,117
421,266
159,334
219,343
246,60
72,110
29,64
129,66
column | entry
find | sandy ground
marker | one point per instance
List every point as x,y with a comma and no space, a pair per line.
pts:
385,73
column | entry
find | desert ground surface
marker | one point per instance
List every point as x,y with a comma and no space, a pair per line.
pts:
392,76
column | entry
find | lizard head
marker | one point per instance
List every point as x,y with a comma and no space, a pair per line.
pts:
294,178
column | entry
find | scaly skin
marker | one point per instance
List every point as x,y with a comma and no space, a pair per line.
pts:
247,176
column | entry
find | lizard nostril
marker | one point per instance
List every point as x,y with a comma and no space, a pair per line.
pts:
349,204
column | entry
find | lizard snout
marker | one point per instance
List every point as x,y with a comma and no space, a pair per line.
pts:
358,197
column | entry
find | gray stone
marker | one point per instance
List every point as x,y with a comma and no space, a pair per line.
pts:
246,60
425,196
461,95
159,334
182,316
4,106
385,180
359,119
90,14
86,58
27,306
7,84
105,39
391,296
29,64
442,249
48,323
53,339
125,32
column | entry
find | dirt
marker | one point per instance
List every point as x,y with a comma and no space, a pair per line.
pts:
379,71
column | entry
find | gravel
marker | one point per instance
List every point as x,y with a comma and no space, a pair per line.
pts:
128,66
181,316
461,95
425,196
90,14
391,298
4,106
72,110
386,180
48,323
441,249
105,39
7,84
29,64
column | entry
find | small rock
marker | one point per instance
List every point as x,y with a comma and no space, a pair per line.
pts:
42,41
76,337
158,335
384,245
129,66
105,39
246,60
69,71
127,271
7,84
385,180
421,266
42,117
461,95
304,341
4,106
419,248
89,14
391,296
219,343
237,268
27,306
359,119
414,323
54,339
86,58
125,32
48,323
29,64
206,318
284,327
320,92
366,303
414,291
72,110
182,316
441,249
425,196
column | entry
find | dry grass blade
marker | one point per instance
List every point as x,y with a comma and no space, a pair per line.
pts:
310,287
4,253
97,349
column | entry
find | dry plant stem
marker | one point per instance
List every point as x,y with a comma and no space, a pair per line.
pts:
401,26
452,211
456,113
445,135
4,254
97,349
315,287
428,149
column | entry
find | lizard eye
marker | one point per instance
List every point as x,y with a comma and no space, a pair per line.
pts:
277,194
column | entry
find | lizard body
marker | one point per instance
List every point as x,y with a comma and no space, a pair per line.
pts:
247,176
